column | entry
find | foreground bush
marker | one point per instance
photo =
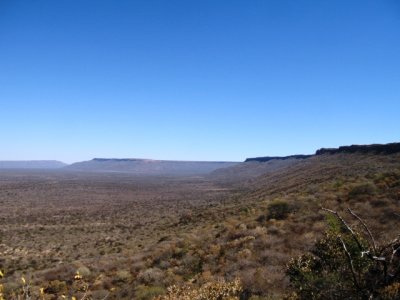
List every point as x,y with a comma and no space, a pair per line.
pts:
346,264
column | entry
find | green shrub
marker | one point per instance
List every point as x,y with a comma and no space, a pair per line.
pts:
278,210
345,264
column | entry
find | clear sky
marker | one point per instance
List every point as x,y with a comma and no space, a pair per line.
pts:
196,79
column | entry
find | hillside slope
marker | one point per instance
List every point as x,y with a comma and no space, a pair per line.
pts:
257,166
251,169
278,216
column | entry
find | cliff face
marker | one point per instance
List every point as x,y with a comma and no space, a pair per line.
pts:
363,149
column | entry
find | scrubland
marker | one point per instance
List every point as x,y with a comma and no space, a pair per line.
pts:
132,237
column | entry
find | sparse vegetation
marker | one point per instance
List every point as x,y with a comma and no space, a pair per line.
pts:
208,291
134,237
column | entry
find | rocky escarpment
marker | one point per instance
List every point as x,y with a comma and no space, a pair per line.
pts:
363,149
390,148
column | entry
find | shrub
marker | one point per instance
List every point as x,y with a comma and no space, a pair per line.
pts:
209,291
278,210
84,271
324,274
380,202
362,190
262,219
56,287
122,276
388,180
152,276
144,292
346,264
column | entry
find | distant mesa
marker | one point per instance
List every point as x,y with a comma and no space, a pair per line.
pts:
116,159
149,167
363,149
31,164
184,168
268,158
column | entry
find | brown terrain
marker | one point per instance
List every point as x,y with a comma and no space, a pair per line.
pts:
131,237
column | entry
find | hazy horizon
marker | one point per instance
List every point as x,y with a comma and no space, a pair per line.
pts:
180,160
198,80
116,158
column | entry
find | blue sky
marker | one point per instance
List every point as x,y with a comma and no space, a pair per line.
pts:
196,80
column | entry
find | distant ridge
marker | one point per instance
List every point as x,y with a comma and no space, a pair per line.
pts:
31,164
390,148
257,166
268,158
116,159
149,166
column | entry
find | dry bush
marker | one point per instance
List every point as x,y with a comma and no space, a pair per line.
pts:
209,291
254,279
363,190
152,276
379,203
60,273
148,292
